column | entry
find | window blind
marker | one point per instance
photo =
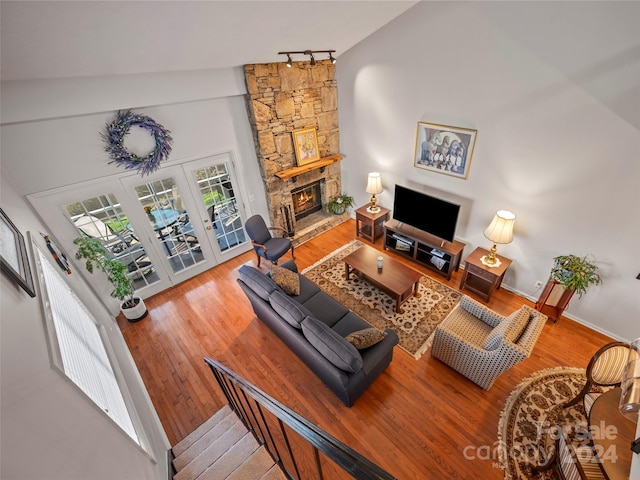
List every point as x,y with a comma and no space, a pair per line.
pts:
84,357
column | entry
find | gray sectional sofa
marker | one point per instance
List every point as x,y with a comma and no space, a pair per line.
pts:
314,326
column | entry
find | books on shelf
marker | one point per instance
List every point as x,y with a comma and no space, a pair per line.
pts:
437,253
438,262
403,246
402,239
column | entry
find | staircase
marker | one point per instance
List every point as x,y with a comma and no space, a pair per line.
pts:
222,448
241,441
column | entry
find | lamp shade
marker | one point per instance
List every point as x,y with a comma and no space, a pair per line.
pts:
374,183
501,228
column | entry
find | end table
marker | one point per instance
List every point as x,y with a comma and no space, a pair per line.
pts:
370,225
481,279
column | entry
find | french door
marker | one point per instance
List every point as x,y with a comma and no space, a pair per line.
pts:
166,227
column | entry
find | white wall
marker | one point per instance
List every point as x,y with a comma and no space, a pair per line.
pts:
49,430
553,91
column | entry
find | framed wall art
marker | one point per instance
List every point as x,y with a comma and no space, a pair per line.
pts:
305,143
444,149
14,259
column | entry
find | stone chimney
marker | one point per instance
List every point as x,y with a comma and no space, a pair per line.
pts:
281,100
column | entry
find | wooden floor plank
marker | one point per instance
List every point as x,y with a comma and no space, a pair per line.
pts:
415,421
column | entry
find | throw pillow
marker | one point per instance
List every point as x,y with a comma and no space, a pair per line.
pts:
286,280
519,320
257,281
290,310
524,329
365,338
331,345
508,329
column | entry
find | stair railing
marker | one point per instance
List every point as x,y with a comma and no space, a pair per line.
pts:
250,404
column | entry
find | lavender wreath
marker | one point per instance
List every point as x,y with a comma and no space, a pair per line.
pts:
119,128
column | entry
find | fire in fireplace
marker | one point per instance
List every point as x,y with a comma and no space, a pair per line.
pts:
307,199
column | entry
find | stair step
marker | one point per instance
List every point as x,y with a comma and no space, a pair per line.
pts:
212,453
274,473
253,467
232,459
190,439
217,432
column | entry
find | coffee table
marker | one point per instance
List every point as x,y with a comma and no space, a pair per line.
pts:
394,278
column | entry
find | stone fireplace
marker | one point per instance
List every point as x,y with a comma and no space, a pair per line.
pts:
281,100
307,199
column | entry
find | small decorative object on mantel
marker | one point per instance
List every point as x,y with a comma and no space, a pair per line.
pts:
444,149
337,205
116,133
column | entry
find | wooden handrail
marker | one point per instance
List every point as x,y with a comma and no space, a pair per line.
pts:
237,391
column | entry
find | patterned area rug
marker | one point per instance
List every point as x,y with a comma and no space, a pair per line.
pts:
415,326
530,416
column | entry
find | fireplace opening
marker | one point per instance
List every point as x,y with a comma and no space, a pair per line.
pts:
307,199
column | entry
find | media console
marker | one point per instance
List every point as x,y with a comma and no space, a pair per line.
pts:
437,254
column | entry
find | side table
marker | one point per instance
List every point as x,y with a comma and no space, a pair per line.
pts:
370,225
481,279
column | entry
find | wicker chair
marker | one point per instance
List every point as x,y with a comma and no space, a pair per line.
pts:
605,369
481,344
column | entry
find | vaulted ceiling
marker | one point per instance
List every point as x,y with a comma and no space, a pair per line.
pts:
62,39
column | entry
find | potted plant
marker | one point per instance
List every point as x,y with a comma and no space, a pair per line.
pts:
575,273
338,204
94,254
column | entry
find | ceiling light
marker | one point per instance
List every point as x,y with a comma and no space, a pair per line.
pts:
312,61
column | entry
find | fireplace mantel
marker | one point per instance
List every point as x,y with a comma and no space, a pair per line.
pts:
292,173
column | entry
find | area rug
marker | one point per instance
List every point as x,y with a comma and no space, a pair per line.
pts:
529,421
415,326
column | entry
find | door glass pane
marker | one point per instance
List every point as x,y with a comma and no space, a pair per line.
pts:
162,203
216,191
102,218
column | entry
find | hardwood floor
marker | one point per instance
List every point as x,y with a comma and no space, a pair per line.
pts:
414,421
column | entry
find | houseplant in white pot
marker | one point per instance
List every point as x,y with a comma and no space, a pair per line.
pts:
93,253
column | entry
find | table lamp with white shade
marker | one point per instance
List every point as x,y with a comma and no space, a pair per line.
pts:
500,230
374,186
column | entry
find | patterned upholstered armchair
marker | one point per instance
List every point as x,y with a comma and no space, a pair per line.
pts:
481,344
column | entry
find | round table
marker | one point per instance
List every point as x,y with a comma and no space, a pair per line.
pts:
612,435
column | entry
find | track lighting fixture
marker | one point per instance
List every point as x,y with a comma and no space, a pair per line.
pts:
310,53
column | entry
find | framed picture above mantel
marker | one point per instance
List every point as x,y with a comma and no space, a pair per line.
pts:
305,143
444,149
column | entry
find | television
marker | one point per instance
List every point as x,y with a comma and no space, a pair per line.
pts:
424,212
